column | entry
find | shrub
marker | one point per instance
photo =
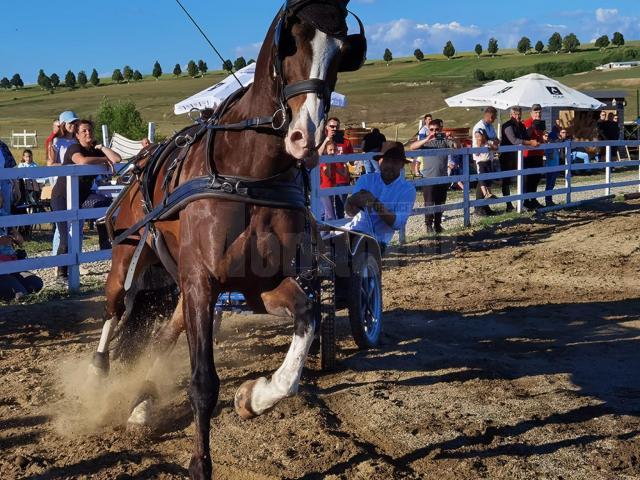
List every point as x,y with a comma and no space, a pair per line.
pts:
121,117
479,75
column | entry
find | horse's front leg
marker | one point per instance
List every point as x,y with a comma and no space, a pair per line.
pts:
114,307
255,397
197,293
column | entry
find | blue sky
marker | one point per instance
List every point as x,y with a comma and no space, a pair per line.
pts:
108,34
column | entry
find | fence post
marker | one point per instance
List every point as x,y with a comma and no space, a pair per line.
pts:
520,181
105,136
402,233
568,176
607,170
316,206
74,232
466,192
152,132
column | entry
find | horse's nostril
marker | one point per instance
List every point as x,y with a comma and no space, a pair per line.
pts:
296,136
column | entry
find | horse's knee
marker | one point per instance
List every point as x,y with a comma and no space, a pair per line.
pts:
288,300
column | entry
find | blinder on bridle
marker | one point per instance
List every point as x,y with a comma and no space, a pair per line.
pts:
353,56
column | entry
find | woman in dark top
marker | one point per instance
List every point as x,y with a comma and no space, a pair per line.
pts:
85,152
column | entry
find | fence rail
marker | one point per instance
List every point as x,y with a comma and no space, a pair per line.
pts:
74,216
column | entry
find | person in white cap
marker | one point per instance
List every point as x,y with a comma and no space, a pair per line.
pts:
65,137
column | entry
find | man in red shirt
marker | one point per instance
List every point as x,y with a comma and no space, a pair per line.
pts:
533,158
335,174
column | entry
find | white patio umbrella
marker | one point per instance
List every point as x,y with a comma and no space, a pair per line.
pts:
535,88
213,96
478,97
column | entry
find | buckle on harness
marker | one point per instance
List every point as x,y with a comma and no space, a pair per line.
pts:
226,187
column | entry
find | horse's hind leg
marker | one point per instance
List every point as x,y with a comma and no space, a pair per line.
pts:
255,397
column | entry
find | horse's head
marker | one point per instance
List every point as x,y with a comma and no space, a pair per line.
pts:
309,45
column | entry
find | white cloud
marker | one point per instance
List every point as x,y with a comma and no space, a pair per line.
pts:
402,36
248,51
604,15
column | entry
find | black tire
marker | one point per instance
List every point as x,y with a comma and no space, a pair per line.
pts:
365,300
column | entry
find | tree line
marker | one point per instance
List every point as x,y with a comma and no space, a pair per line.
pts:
125,74
556,43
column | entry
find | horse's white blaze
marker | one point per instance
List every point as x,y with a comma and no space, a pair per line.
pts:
310,117
285,381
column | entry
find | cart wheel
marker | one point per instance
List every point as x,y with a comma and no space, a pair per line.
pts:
365,300
327,309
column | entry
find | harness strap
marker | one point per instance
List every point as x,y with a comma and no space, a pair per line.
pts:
244,125
313,85
271,193
136,256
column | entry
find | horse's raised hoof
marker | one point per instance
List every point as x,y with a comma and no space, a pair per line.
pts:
242,400
141,415
99,366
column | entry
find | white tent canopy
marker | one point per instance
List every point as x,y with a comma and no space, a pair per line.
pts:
534,88
213,96
478,97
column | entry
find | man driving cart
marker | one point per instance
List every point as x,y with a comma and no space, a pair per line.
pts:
381,202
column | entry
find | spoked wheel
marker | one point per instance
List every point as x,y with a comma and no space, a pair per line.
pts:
365,300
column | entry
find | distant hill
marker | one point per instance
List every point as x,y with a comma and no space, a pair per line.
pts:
391,97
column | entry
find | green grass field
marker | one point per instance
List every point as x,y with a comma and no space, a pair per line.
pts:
391,97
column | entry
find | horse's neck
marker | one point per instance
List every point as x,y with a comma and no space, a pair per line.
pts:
249,153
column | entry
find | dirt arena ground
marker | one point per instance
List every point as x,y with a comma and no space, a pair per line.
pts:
509,353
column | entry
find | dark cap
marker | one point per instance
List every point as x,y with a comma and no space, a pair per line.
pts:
536,107
392,151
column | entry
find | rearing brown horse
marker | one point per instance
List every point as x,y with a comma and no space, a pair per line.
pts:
199,212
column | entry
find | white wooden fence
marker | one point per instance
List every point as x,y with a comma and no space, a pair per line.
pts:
466,177
74,216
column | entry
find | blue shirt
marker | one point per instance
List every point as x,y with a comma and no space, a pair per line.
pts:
397,197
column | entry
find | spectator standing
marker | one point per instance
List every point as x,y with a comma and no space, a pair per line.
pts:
6,186
559,157
486,124
31,185
514,132
552,159
613,133
372,142
423,133
47,144
381,202
484,163
339,172
65,137
533,158
603,126
84,152
327,180
434,166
